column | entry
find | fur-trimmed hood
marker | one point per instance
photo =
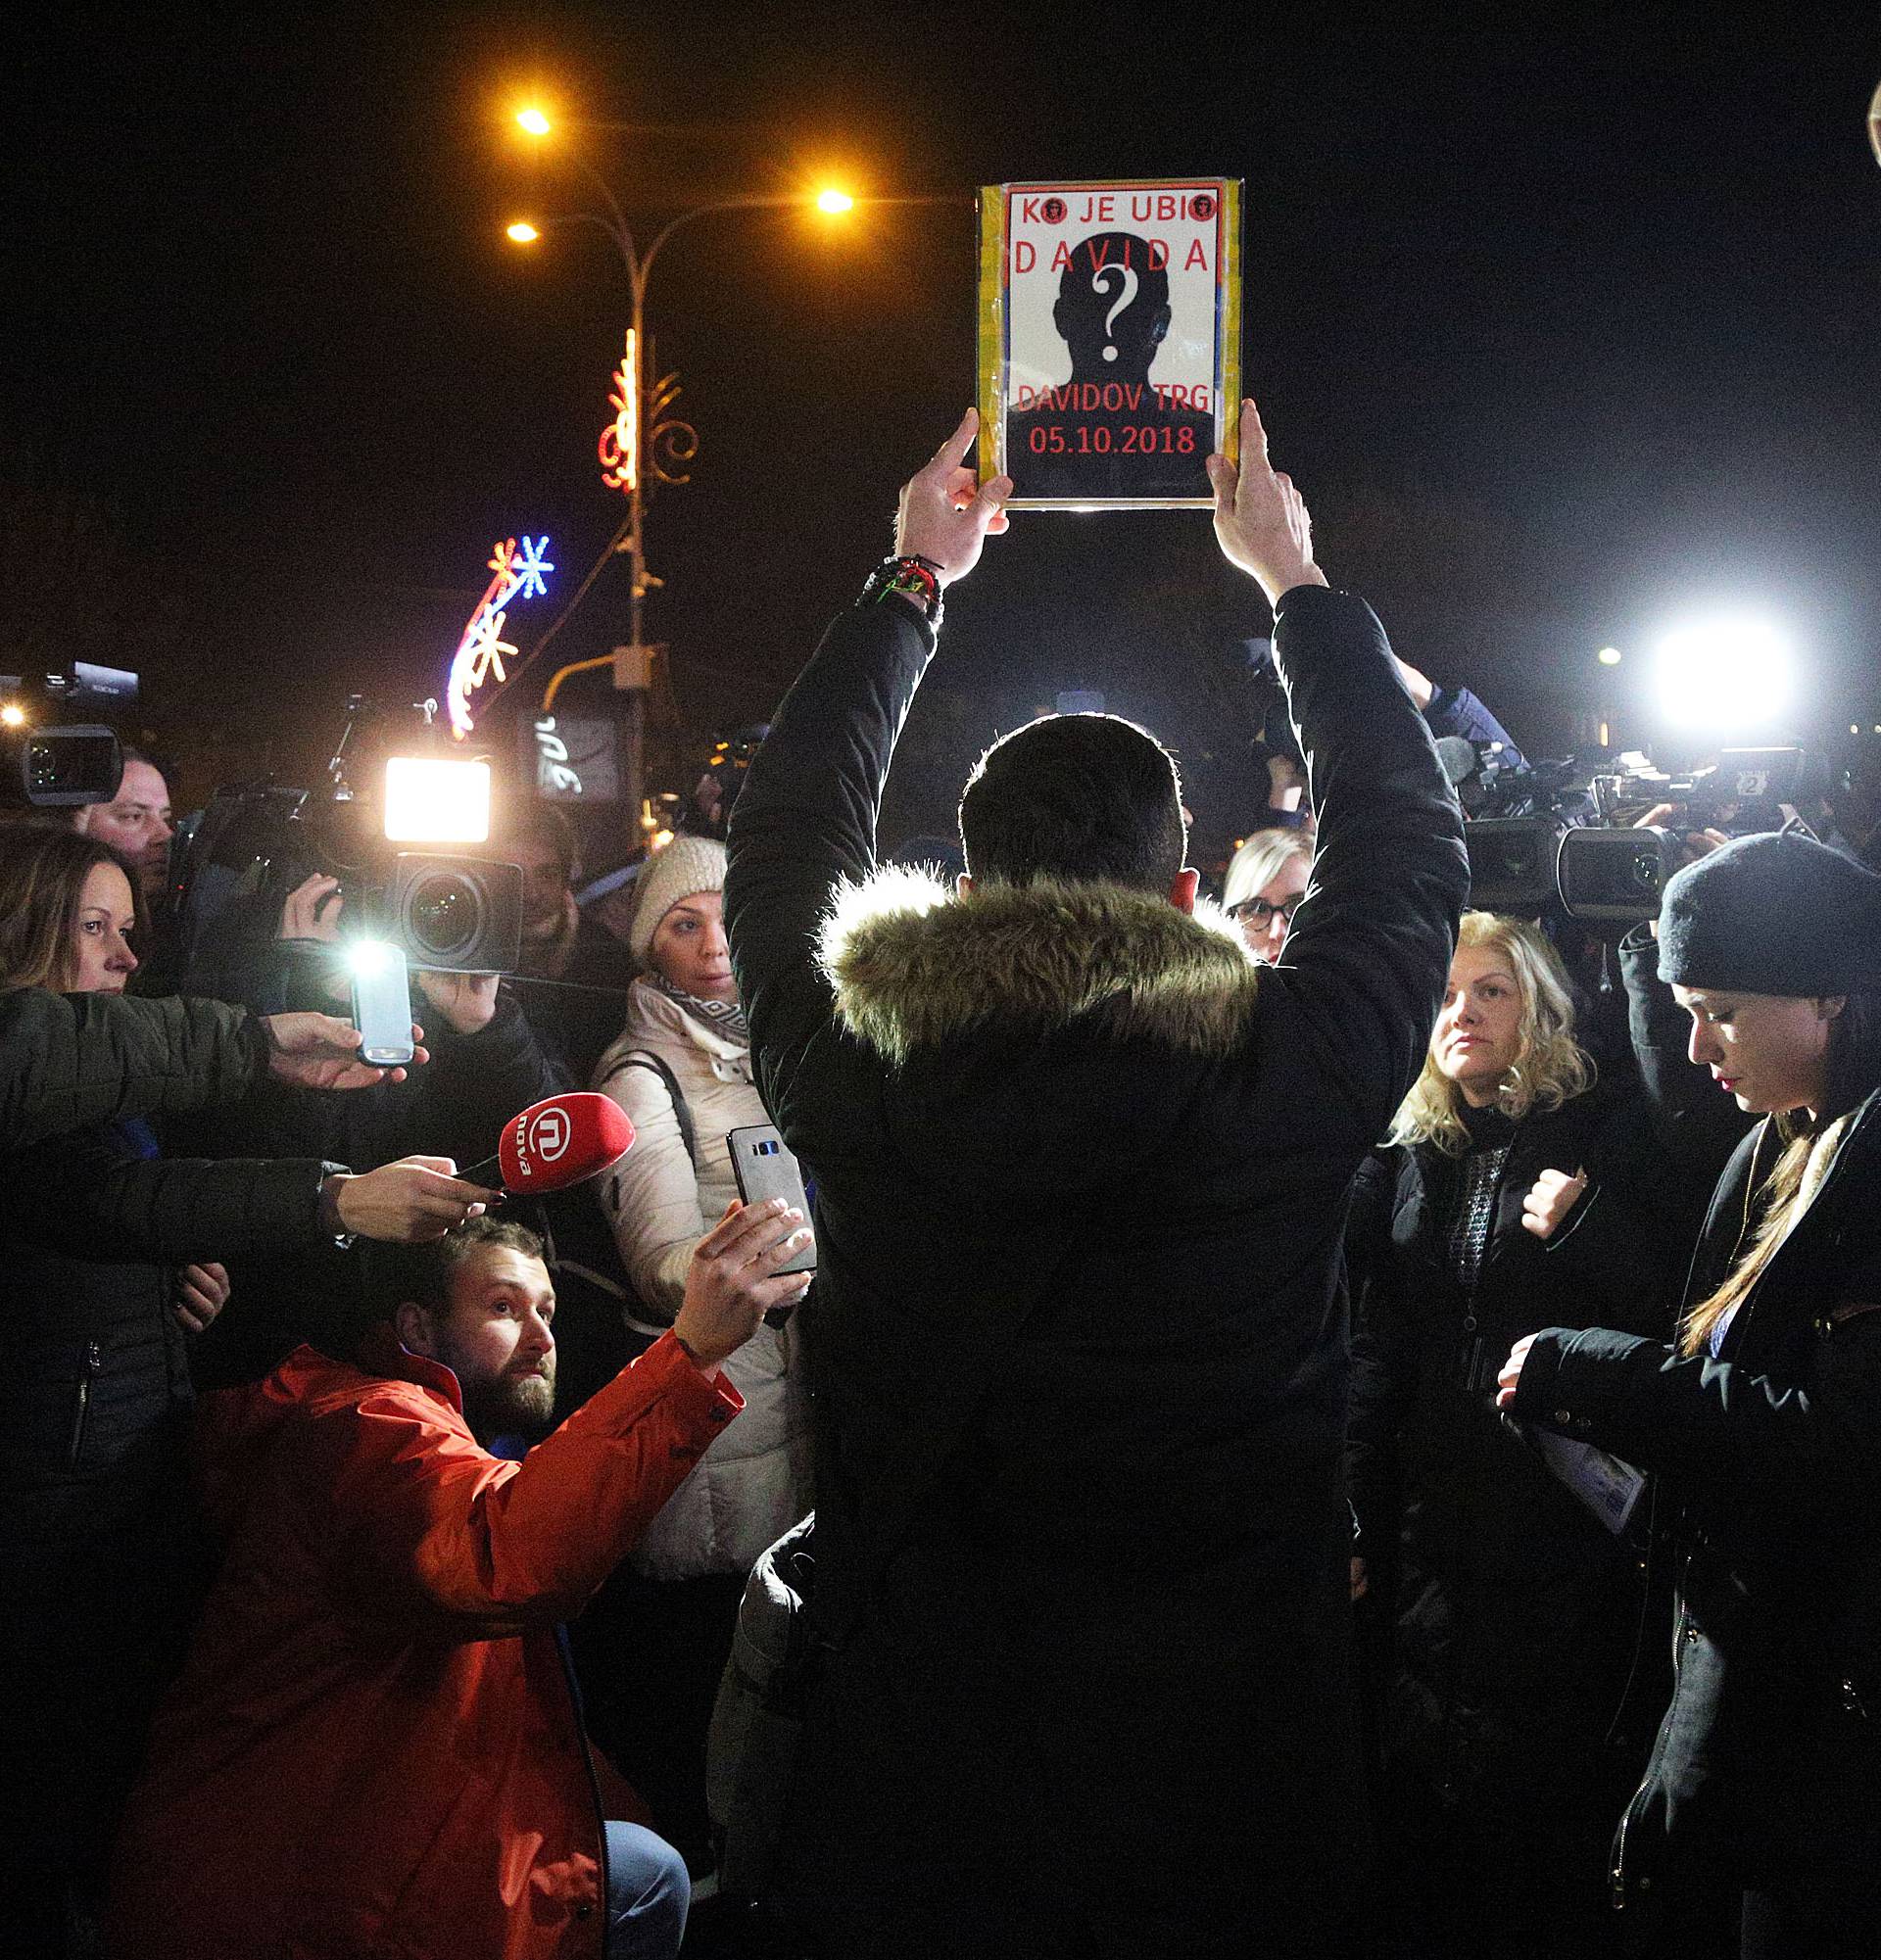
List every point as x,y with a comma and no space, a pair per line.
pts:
916,965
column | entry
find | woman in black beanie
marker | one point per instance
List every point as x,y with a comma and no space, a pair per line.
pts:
1764,1418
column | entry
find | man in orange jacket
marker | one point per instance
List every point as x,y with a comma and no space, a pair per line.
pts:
375,1747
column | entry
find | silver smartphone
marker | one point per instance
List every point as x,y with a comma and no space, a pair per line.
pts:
766,1170
382,1003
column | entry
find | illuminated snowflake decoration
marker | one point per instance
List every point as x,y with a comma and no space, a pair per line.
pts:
486,650
528,566
515,573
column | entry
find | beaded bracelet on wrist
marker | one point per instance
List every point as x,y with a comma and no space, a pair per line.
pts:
913,577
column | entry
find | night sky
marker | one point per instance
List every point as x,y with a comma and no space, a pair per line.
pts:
1564,326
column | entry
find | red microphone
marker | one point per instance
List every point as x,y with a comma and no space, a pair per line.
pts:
556,1142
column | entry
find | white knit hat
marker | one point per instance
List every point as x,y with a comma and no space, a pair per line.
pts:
686,865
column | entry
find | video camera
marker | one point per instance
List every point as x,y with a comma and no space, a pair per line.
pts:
1560,835
51,759
454,911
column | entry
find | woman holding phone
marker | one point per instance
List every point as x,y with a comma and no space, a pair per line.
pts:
1763,1416
682,1071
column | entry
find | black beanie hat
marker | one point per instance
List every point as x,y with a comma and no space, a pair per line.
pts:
1777,913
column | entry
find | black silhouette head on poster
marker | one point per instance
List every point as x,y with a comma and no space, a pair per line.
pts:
1113,308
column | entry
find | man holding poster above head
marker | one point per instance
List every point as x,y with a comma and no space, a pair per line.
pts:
1077,1345
1135,287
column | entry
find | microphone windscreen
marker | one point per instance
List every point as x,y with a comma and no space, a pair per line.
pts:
1459,757
561,1140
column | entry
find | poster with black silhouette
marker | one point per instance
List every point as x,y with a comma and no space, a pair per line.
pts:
1109,340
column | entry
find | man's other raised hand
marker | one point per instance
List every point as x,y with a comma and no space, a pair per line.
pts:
1260,520
946,512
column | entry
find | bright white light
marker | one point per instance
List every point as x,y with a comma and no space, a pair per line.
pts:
368,957
1608,656
835,201
434,802
1729,673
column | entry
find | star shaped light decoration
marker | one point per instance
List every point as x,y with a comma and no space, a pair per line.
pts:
527,566
484,650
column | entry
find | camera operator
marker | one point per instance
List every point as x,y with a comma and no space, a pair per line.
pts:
486,1064
1447,711
137,821
94,1533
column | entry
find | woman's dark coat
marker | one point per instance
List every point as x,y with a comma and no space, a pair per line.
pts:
95,1552
1767,1766
1515,1608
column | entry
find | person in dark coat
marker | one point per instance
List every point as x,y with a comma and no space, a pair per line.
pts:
1502,1612
1763,1418
68,1060
1077,1348
111,1252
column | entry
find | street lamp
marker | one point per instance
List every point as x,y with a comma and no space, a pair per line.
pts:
647,442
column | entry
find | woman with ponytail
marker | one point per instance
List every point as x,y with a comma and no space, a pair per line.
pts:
1763,1416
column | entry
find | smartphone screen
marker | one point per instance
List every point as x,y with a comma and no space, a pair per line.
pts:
765,1168
382,1003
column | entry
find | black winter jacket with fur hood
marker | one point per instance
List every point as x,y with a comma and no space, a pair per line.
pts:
1077,1343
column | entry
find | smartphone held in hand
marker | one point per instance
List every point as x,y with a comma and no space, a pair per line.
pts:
766,1170
382,1003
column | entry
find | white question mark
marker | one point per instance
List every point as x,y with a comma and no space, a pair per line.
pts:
1125,294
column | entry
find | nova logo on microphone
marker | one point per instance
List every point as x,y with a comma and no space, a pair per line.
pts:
548,1134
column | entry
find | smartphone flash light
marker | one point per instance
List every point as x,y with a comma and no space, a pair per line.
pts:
368,957
428,801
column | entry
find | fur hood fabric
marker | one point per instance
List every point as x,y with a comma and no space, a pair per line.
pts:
915,965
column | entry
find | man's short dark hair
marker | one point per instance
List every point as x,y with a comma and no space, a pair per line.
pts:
426,1274
1080,797
541,822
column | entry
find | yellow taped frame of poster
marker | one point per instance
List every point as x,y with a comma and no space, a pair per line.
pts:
992,327
993,334
1228,409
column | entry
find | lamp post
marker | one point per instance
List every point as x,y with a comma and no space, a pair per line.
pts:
647,442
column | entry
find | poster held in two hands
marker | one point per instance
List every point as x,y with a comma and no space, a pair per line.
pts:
1109,340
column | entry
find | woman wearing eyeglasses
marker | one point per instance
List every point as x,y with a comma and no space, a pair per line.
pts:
1265,883
1517,1191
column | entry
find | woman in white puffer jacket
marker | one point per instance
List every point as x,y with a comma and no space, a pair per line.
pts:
753,1483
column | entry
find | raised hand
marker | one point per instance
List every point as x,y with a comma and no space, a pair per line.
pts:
316,1051
1260,520
311,910
733,1281
945,513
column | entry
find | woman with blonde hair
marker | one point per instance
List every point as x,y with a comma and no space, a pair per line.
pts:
1266,879
1763,1415
1501,1609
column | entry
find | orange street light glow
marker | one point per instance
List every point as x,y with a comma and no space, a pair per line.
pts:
835,201
522,232
13,715
533,121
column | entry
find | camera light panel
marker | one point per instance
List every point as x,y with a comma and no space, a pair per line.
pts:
431,801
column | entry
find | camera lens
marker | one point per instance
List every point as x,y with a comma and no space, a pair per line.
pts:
444,915
1645,870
